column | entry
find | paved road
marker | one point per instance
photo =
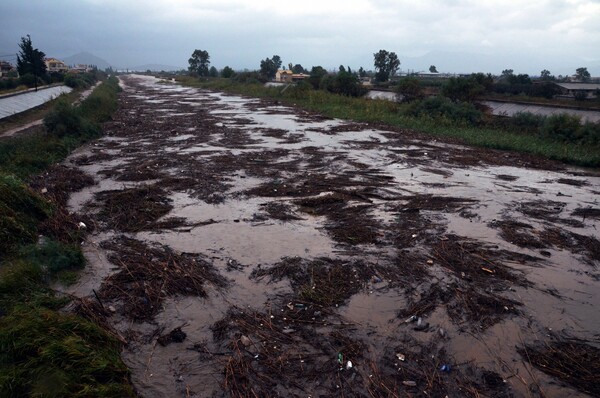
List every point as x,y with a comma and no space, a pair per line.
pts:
14,104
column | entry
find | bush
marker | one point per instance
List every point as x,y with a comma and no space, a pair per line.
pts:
410,89
443,108
74,82
562,127
44,353
29,80
527,122
249,78
21,210
64,120
99,106
462,89
8,84
299,90
343,83
589,134
54,257
227,72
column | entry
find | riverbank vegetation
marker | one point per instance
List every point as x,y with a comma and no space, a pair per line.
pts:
447,116
44,350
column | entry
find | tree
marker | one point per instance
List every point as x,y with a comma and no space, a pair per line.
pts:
386,65
410,89
297,69
344,83
227,72
582,74
30,60
362,72
277,61
270,66
546,76
433,69
213,72
462,89
199,62
507,74
317,74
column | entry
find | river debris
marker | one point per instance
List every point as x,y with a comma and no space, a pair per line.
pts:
571,361
149,274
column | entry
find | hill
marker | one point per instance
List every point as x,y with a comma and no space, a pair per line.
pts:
86,59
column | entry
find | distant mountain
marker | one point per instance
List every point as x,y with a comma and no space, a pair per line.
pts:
86,58
156,68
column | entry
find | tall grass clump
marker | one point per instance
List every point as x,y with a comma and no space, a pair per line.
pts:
44,353
21,210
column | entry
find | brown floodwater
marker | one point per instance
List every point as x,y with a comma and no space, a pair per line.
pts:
237,162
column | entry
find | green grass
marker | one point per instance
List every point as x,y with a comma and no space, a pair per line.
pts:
392,114
45,352
30,154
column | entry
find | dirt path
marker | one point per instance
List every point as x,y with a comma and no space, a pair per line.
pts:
250,249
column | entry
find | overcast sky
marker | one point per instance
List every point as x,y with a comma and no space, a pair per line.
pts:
455,35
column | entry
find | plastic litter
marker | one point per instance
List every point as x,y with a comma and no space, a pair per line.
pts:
409,383
340,358
348,365
401,357
411,319
445,368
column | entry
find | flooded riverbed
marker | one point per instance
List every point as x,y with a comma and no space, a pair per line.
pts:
251,249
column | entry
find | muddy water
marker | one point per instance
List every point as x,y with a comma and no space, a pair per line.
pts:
231,227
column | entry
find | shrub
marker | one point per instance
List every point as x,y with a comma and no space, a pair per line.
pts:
44,353
21,210
343,83
29,80
462,89
227,72
99,106
589,134
527,122
410,89
64,120
299,90
562,127
54,257
249,78
443,108
8,84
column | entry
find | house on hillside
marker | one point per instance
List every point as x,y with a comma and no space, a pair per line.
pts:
55,65
284,76
579,90
80,68
6,68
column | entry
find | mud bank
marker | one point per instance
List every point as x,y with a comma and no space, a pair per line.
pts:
242,248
